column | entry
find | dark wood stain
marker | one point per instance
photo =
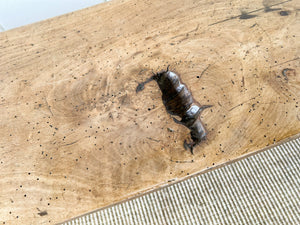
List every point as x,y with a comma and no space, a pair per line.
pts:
179,101
43,213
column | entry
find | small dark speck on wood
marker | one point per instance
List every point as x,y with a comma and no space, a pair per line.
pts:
170,129
284,13
153,139
43,213
288,72
245,16
140,87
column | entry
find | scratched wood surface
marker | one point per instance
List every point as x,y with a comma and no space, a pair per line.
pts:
74,134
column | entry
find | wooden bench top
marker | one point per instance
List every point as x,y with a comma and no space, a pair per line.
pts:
75,136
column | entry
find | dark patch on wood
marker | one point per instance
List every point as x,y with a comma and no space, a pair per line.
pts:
287,72
284,13
246,16
253,11
179,102
72,143
152,139
42,213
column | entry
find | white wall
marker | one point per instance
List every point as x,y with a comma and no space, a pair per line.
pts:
15,13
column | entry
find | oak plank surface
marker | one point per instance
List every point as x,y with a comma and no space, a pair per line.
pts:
74,134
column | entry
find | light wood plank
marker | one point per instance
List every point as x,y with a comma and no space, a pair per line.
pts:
74,134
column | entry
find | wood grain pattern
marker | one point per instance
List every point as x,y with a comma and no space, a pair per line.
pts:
74,134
